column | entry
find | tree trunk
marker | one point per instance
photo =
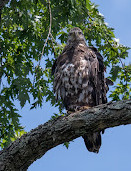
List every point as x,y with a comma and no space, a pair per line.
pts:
31,146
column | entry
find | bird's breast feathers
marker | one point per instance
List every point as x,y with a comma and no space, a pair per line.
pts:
72,76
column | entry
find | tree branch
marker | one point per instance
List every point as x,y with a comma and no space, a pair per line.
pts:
33,145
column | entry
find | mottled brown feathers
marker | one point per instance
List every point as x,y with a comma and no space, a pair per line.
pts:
79,80
79,77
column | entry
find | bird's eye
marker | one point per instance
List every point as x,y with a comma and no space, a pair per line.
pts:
79,32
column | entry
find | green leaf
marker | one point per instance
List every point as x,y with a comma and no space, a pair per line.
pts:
24,29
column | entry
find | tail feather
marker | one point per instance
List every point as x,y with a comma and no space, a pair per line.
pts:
92,141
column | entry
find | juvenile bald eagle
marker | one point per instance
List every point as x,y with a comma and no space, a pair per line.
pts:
79,80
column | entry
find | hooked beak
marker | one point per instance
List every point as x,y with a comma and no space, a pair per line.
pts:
75,35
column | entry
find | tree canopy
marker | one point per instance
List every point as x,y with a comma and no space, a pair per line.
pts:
32,35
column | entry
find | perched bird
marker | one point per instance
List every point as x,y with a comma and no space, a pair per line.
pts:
79,80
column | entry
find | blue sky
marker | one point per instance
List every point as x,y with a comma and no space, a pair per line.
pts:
115,153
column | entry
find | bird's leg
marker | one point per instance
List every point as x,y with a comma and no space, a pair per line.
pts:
70,112
82,108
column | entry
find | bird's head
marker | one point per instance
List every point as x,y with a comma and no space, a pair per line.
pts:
76,35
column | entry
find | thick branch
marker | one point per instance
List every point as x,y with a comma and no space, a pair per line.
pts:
33,145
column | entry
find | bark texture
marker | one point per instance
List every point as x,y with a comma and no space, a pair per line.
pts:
33,145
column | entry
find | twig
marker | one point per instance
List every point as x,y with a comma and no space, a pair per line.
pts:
54,39
49,33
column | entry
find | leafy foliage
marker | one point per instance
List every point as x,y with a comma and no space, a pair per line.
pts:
24,29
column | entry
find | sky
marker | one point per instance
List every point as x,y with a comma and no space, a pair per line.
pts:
115,152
